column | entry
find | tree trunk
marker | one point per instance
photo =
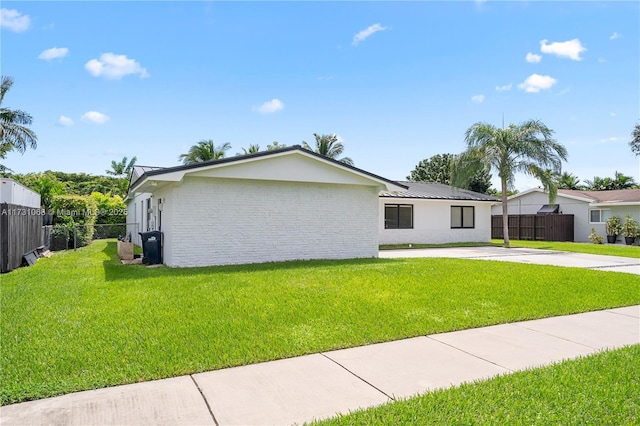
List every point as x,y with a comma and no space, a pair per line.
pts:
505,215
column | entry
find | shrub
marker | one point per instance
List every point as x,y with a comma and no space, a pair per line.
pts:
111,208
630,227
613,225
59,238
72,210
595,238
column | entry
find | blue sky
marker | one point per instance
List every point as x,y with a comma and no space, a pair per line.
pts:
397,81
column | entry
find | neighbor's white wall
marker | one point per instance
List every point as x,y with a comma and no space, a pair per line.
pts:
432,223
13,192
233,221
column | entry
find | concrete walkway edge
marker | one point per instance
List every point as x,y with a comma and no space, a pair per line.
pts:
301,389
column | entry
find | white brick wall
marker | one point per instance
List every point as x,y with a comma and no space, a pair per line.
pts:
232,221
432,223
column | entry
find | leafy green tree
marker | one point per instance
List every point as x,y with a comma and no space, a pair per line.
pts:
568,181
204,151
635,140
76,183
122,168
48,187
438,169
14,133
275,145
525,148
328,146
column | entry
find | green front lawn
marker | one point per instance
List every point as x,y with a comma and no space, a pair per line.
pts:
81,320
589,248
602,389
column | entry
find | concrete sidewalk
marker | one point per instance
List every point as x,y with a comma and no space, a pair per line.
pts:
321,385
524,255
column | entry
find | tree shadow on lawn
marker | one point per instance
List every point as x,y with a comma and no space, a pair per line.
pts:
115,271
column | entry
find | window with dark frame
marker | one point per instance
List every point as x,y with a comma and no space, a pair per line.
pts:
398,216
462,217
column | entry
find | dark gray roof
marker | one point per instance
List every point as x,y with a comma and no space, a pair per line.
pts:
437,191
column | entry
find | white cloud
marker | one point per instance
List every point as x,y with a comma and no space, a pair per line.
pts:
95,117
53,53
611,139
477,99
533,58
602,60
535,83
65,121
613,114
362,35
615,36
14,21
564,49
270,107
114,67
504,88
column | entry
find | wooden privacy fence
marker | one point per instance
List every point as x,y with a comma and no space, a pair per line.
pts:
541,227
20,233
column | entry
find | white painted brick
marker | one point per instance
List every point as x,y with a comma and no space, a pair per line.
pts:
209,221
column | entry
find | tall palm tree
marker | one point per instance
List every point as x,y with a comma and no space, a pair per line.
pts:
204,151
121,168
328,146
526,148
13,131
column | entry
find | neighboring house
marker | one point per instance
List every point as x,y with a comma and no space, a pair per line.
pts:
590,209
433,213
276,205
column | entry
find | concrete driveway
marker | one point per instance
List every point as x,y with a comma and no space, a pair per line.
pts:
524,255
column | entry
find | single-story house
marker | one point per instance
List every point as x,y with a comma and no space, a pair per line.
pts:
590,209
433,213
276,205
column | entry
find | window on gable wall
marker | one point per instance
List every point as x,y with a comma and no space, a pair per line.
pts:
462,217
398,216
599,215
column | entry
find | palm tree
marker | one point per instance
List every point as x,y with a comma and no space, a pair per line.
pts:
204,151
121,168
526,148
634,143
253,148
13,131
620,181
329,146
275,145
568,181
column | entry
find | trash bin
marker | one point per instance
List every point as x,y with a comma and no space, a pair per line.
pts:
151,247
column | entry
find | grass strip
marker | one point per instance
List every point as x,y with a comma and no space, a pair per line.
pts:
81,320
602,249
601,389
